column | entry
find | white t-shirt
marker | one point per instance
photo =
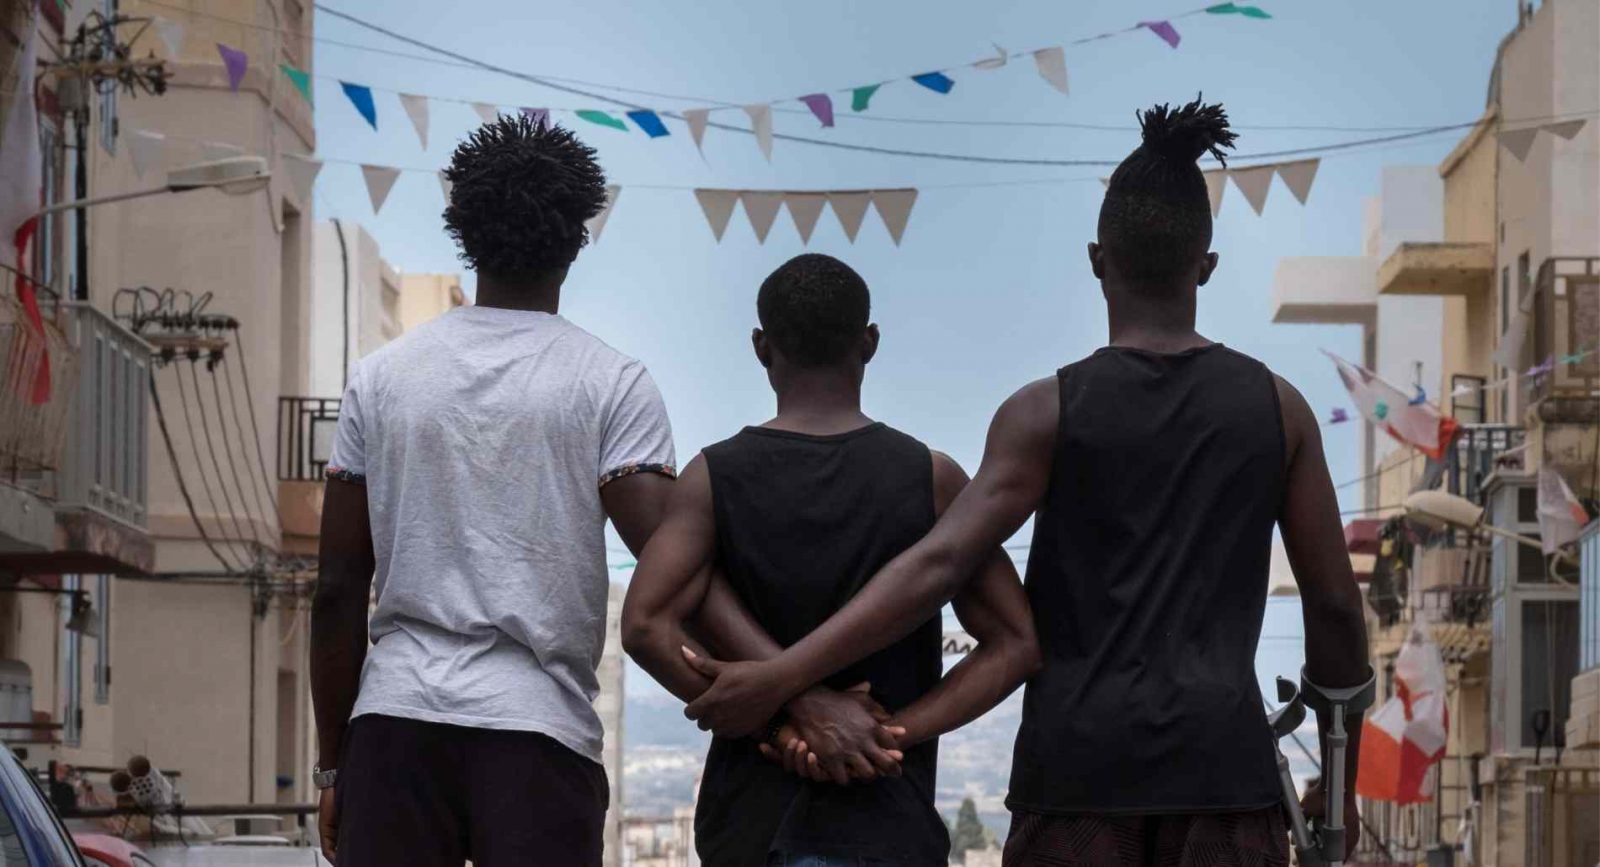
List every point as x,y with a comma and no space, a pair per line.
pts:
484,438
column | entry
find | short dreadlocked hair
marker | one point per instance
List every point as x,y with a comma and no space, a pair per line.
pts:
814,308
521,193
1156,218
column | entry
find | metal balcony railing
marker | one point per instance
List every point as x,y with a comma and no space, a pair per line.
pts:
1566,327
105,466
1476,453
32,433
306,426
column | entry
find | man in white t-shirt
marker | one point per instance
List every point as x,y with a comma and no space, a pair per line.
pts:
476,462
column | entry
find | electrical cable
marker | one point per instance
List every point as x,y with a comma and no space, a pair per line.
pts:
233,466
205,481
250,401
216,464
177,472
261,478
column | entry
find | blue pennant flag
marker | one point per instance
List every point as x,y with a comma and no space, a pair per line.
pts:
361,97
1420,398
937,82
648,121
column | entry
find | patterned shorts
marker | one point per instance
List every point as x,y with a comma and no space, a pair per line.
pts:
1258,838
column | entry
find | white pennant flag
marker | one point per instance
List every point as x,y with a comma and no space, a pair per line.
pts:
1561,516
718,207
761,123
597,223
1216,184
146,150
805,209
894,208
850,208
1567,129
302,172
486,112
1254,183
1105,183
1052,64
445,186
762,210
1297,176
1518,141
380,180
998,60
211,151
417,109
697,118
170,31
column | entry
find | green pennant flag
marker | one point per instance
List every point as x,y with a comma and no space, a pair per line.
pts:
1236,9
301,79
861,96
602,118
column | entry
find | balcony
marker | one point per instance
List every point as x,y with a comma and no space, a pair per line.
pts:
1566,330
1480,450
1325,290
306,426
1437,269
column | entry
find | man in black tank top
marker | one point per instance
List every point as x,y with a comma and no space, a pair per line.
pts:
1155,471
797,514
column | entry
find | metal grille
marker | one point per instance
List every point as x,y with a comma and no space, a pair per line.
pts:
31,434
306,426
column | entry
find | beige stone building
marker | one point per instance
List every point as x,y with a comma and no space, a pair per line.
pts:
424,297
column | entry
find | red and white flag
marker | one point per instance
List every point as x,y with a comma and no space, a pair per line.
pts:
1411,421
20,187
1405,737
1561,516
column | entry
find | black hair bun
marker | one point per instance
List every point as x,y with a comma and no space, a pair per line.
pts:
1188,132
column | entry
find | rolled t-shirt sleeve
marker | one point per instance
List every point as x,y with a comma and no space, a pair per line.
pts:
638,436
348,462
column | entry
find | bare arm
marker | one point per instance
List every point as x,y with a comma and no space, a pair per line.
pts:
345,563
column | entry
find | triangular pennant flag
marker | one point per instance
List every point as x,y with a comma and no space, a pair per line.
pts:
1236,9
170,31
804,209
236,62
1254,183
211,151
1518,141
300,78
718,207
821,105
937,82
850,208
762,210
861,96
761,122
486,111
417,109
998,60
894,208
539,116
302,172
597,223
146,149
1163,29
1216,183
1297,176
361,97
445,186
380,180
601,118
1567,129
1105,182
648,121
1052,65
697,119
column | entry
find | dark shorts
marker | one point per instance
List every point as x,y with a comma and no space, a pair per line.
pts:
1258,838
424,794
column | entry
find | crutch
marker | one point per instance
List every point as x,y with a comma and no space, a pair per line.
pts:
1321,841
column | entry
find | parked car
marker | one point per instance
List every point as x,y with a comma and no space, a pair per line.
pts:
30,833
104,850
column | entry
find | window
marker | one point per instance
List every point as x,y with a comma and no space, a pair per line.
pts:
1466,398
1524,276
102,650
44,244
1589,601
1549,662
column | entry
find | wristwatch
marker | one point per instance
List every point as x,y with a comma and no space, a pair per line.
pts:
324,779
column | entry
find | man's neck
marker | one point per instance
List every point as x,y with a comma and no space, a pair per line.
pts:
819,401
1158,322
539,293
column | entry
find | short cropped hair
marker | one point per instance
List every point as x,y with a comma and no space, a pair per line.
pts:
815,308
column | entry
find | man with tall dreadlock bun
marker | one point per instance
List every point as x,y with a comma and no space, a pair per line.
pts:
1155,471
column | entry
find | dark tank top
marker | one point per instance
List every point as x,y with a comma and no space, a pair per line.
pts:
802,523
1148,580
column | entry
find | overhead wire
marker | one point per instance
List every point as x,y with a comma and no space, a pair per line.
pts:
250,402
258,481
205,481
177,472
233,466
205,427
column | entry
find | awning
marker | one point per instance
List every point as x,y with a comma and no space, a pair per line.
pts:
1361,535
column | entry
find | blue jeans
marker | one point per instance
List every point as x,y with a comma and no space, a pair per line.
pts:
789,859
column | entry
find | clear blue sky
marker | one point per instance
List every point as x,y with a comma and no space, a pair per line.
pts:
990,288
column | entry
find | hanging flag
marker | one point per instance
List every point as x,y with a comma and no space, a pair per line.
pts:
1409,731
1236,9
1106,183
486,111
1562,516
1518,141
1216,184
861,96
805,209
648,121
597,223
1567,129
937,82
21,185
417,109
445,186
1420,398
1339,416
170,31
380,180
851,209
1465,389
361,97
894,208
718,207
1380,769
1297,176
1001,56
601,118
302,171
1254,183
697,118
146,150
1390,408
761,208
761,122
1163,29
1541,368
821,105
1052,66
539,116
299,78
236,62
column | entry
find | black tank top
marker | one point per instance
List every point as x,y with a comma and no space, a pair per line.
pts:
1148,580
802,523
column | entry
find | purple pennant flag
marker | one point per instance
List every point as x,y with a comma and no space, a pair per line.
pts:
236,62
539,116
1163,29
1339,416
821,105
